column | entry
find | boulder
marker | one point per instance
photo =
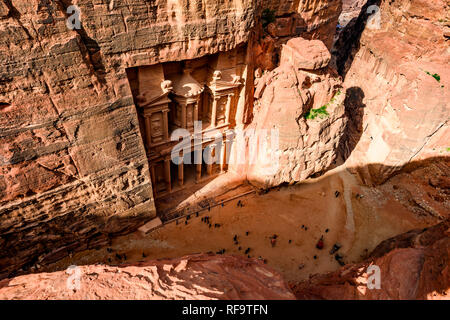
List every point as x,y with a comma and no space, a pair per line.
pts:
305,54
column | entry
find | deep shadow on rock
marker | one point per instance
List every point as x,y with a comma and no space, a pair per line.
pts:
354,111
435,183
349,39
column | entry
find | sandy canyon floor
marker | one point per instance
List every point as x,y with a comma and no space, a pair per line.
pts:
334,206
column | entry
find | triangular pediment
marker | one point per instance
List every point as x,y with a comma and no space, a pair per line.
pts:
156,101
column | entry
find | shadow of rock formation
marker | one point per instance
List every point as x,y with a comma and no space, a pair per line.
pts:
354,111
349,39
411,266
422,192
91,55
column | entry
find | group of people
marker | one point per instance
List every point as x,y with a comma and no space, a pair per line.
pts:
273,239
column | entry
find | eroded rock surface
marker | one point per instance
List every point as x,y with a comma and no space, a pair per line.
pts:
74,172
401,72
414,265
350,10
73,166
284,19
191,277
305,54
302,84
314,19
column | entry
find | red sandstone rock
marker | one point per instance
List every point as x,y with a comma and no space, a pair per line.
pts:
350,10
305,54
73,166
413,266
74,170
313,20
4,10
284,96
316,20
191,277
405,109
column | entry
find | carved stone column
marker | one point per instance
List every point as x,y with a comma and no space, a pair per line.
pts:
153,178
214,153
223,157
214,112
183,116
195,112
198,172
181,173
209,168
228,108
167,174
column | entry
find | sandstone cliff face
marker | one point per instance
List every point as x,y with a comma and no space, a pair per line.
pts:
414,265
401,73
350,10
192,277
73,166
314,19
284,19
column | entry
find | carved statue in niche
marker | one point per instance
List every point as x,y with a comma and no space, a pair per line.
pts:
223,89
217,75
236,80
166,86
258,75
154,106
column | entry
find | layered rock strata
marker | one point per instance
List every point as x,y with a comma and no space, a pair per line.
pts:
399,69
282,20
300,105
73,166
193,277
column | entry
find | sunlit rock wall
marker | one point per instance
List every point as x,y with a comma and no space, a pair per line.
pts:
73,165
196,277
400,71
299,118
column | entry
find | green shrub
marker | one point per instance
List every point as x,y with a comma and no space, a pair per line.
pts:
436,76
319,112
